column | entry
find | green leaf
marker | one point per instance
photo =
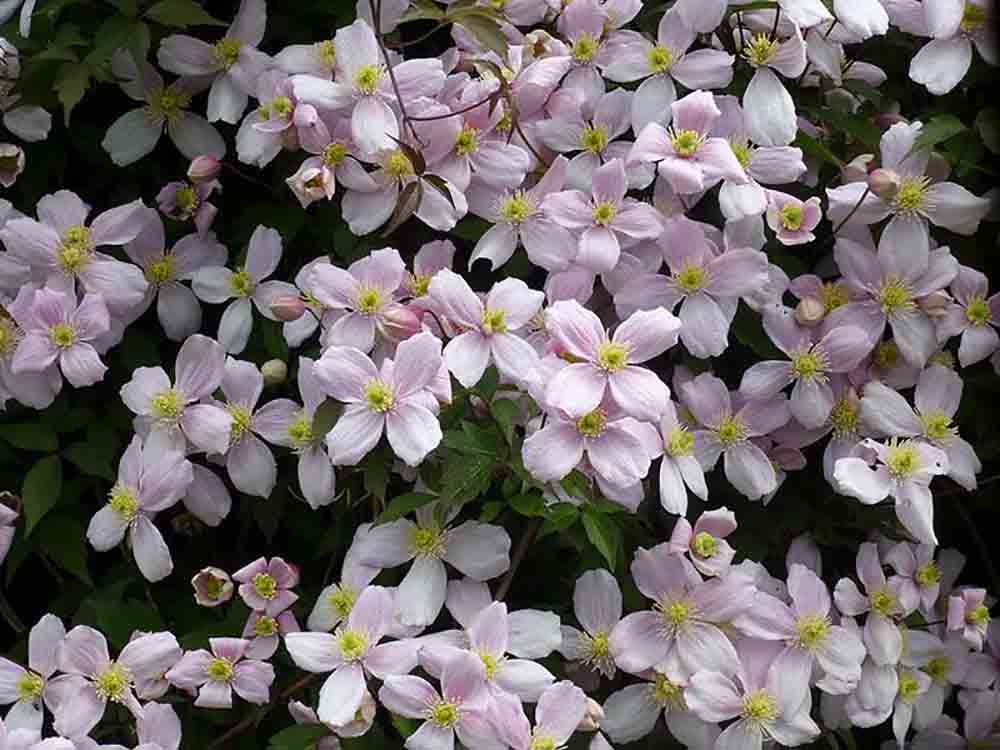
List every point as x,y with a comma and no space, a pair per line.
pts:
71,84
506,412
299,737
576,485
530,504
92,458
63,539
490,511
376,476
30,437
749,331
467,476
487,385
864,91
404,726
423,10
604,534
938,130
403,505
858,127
113,35
486,31
815,148
181,14
41,490
474,440
988,125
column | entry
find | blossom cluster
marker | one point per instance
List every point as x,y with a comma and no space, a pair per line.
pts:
591,147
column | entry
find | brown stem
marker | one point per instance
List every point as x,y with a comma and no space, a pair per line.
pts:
252,721
519,552
431,118
853,211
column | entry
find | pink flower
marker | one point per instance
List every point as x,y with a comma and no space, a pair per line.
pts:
92,680
609,365
955,28
57,330
560,710
792,220
265,586
394,400
151,478
233,63
62,249
969,616
171,408
217,674
336,601
979,724
28,688
212,587
489,327
679,470
918,577
687,158
603,217
216,284
974,316
768,107
706,543
263,632
176,306
597,604
183,202
334,158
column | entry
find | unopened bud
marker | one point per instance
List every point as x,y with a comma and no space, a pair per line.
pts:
935,304
938,167
287,308
857,169
884,183
274,371
397,322
885,120
591,721
204,168
212,587
809,312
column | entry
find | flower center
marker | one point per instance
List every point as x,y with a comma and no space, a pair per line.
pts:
691,278
214,586
334,153
399,166
62,335
667,694
928,574
895,296
661,59
428,541
167,405
9,336
241,283
30,687
226,51
490,663
420,285
301,432
812,631
161,271
242,422
979,617
676,614
760,50
937,426
543,743
467,141
186,201
902,459
584,49
808,365
352,644
612,357
704,545
680,442
265,627
593,424
938,668
367,78
265,585
912,195
443,714
341,600
685,143
326,51
516,209
279,108
379,396
599,645
123,502
494,321
76,249
973,17
369,301
909,687
604,213
220,670
731,431
165,103
977,312
113,683
594,139
759,707
790,216
833,295
742,151
883,603
844,418
886,355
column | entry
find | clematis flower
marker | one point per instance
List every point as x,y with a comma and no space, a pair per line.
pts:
862,18
480,551
265,585
151,478
686,156
603,217
608,366
336,601
705,543
91,680
973,315
171,409
176,306
27,688
980,720
182,201
945,662
679,470
984,667
232,63
597,604
918,577
768,107
61,249
212,587
489,327
57,330
335,157
956,27
394,400
216,284
217,674
559,713
792,220
264,632
969,616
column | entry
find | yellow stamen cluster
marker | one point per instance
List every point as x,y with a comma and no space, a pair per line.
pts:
593,424
379,396
516,209
612,357
680,442
367,78
75,249
241,422
161,271
691,278
443,714
123,502
226,51
62,335
704,545
661,59
220,670
731,431
812,631
494,321
902,459
428,541
113,683
594,139
341,600
686,143
165,103
241,283
912,198
760,50
977,312
352,644
167,405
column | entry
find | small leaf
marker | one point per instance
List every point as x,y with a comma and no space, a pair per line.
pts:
858,127
506,412
403,505
466,477
938,130
423,10
41,490
71,84
486,31
299,737
181,14
405,726
30,437
530,504
604,534
817,149
406,206
63,540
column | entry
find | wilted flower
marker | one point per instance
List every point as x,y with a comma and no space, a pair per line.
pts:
212,587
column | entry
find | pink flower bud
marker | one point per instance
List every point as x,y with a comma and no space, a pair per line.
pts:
885,120
212,587
809,312
857,169
884,183
397,322
204,168
591,721
287,308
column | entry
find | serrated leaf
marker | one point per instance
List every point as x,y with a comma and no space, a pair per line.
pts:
181,14
40,490
406,205
71,84
403,505
604,534
466,476
30,437
63,540
528,504
112,35
937,130
299,737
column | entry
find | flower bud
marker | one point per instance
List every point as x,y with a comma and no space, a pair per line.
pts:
592,719
274,371
212,587
884,183
287,308
397,322
857,169
935,304
204,168
885,120
809,312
